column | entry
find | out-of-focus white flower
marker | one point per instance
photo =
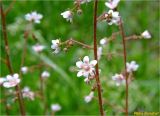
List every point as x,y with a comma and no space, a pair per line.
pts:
119,79
11,80
24,69
45,74
103,41
55,46
55,107
146,34
85,1
89,97
132,66
26,93
2,80
99,52
112,4
38,47
112,17
33,16
86,68
67,15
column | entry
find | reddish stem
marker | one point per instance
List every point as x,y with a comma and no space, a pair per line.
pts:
125,57
4,31
96,58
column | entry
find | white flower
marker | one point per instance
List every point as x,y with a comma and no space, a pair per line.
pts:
26,93
99,52
24,69
38,47
118,78
55,46
2,80
85,1
113,16
67,15
86,68
11,80
103,41
146,34
45,74
89,97
112,4
33,16
55,107
132,66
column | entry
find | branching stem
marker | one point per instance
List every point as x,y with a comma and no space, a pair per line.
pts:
4,32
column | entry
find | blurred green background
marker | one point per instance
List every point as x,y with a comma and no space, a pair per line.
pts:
63,86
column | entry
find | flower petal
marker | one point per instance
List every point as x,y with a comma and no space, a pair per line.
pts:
79,64
86,59
80,73
93,62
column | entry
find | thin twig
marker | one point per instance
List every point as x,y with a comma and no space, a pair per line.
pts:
10,7
23,54
4,31
125,58
96,58
80,43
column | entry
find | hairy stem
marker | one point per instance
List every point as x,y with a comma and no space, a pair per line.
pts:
4,31
96,58
125,57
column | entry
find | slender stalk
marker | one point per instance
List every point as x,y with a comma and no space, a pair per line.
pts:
4,31
42,94
96,58
23,55
10,7
80,43
125,57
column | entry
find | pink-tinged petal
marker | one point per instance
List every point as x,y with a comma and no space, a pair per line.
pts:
6,84
16,76
9,77
80,73
86,59
109,5
86,74
93,62
79,64
18,81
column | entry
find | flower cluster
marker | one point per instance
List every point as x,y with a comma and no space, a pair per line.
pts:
132,66
119,79
112,17
10,80
55,107
45,74
26,93
86,67
68,14
24,69
33,17
38,48
146,34
55,46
